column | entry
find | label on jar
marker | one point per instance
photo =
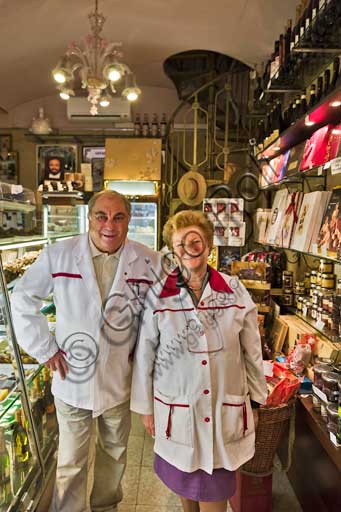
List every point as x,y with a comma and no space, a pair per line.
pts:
319,393
320,325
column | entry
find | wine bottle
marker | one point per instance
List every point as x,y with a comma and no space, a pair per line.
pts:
163,125
315,9
137,126
20,451
304,105
155,126
287,43
336,71
41,405
37,414
319,92
145,126
326,79
297,108
312,96
5,478
293,113
49,405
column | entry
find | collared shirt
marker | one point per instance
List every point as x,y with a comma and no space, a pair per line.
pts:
105,266
182,283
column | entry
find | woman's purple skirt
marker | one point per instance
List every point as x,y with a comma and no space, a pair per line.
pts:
198,485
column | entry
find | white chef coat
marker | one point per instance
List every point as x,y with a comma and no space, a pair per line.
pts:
196,369
105,267
98,338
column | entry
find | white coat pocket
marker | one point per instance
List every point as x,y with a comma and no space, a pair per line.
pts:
236,417
173,419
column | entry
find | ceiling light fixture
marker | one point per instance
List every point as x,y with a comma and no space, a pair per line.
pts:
98,66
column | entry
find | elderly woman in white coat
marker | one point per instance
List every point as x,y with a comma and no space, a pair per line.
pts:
198,371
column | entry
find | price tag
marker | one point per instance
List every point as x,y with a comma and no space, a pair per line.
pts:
336,165
319,394
327,165
320,170
320,325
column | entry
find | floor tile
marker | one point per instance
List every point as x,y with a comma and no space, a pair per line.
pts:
126,508
147,508
130,485
283,496
148,452
153,492
135,450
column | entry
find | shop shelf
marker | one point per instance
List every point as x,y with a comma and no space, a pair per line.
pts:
310,254
324,332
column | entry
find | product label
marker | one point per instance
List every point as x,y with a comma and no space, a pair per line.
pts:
320,325
319,394
336,165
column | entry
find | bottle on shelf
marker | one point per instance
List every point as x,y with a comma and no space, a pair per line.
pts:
50,409
20,450
155,126
336,72
308,18
303,106
5,473
297,108
315,8
40,406
37,413
326,80
287,44
137,126
145,126
293,113
312,96
163,125
319,93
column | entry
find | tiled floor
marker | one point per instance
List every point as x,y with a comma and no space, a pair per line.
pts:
144,492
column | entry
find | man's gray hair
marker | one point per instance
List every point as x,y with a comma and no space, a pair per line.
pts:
109,193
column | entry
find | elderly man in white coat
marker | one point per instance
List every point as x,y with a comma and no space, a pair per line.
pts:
99,281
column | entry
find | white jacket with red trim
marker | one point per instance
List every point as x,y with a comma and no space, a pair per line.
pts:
196,369
98,338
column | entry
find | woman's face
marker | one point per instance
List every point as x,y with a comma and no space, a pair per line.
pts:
191,248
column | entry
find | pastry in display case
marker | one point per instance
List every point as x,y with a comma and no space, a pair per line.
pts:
17,211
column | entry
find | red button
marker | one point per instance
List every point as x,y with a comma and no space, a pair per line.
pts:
202,303
204,362
207,420
206,391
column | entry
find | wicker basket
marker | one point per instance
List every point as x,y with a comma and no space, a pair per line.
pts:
271,425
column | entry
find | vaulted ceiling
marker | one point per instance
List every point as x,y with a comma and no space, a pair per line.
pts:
35,33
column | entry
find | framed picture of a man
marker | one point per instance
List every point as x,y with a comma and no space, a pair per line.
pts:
55,160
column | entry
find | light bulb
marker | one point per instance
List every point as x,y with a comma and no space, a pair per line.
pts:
132,96
59,77
114,75
104,102
64,95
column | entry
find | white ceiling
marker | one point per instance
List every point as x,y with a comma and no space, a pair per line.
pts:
35,33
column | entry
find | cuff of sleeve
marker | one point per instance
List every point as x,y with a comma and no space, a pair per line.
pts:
255,405
50,349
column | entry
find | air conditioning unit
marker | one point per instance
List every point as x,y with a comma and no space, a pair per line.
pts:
119,111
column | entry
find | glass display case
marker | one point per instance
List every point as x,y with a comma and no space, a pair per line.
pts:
64,220
143,223
28,426
17,211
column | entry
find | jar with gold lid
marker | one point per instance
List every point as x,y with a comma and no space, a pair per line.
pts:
326,267
330,388
313,277
314,312
319,370
333,417
319,278
288,279
312,288
299,304
307,280
328,281
299,288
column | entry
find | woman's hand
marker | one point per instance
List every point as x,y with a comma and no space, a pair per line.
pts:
148,422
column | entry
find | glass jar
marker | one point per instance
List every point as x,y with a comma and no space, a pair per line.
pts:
319,370
288,279
307,280
287,298
338,289
299,288
319,314
312,289
320,299
315,297
299,304
330,388
314,312
326,267
319,278
328,281
313,277
333,417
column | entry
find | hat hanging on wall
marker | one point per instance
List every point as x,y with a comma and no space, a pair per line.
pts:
192,188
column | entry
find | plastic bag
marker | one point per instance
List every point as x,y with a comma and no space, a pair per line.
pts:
283,385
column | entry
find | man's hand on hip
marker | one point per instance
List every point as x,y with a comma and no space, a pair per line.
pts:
58,363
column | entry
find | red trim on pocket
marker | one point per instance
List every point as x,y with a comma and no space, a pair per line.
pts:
243,405
66,274
139,281
172,310
169,421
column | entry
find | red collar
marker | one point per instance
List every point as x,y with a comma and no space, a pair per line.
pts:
217,283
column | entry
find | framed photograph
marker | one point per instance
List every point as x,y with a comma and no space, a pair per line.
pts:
90,152
5,142
97,171
9,166
55,160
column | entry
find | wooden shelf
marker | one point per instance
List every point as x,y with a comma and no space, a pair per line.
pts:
256,285
317,256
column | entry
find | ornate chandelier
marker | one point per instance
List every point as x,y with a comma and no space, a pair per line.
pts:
99,67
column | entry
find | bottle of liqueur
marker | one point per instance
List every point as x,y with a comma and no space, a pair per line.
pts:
50,408
319,92
155,126
303,106
315,8
37,413
145,126
41,403
312,96
293,113
137,126
287,44
5,476
336,71
163,126
21,451
297,108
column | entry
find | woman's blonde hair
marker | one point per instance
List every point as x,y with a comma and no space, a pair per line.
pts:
185,219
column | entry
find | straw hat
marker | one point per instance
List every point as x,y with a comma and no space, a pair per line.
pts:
192,188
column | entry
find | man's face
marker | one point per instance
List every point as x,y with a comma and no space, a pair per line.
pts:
54,166
108,223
